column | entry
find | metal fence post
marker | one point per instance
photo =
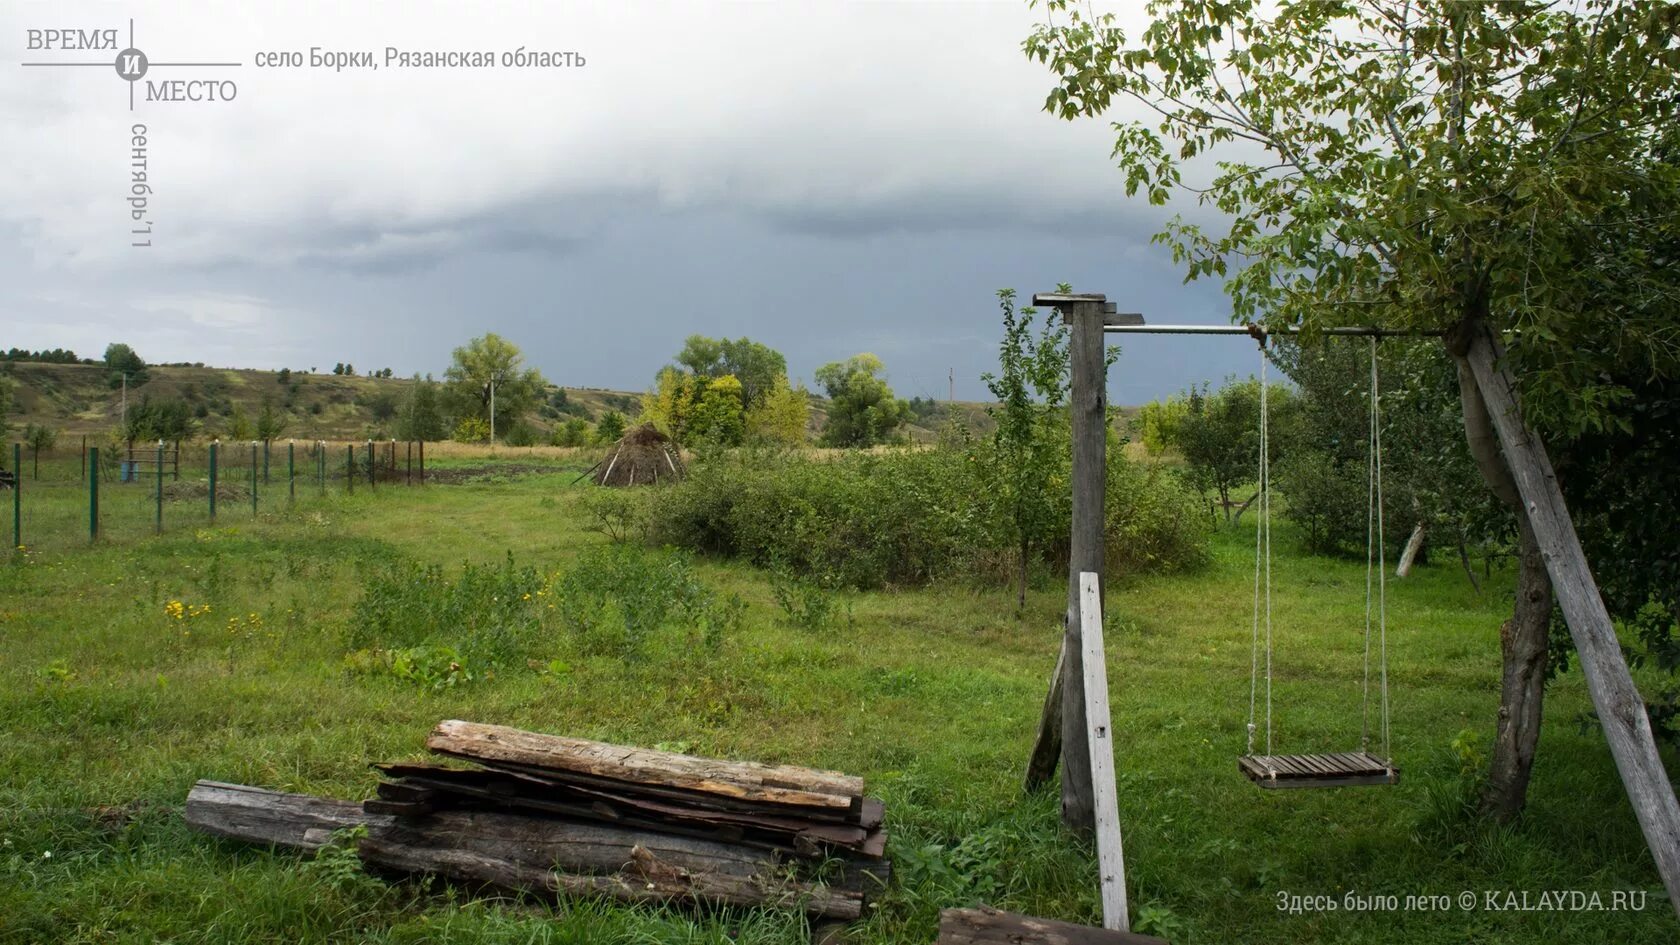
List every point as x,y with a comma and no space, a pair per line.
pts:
350,467
265,462
17,496
253,478
160,488
93,493
321,465
371,463
291,471
213,449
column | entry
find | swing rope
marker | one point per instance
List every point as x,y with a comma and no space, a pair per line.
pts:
1262,575
1376,580
1375,571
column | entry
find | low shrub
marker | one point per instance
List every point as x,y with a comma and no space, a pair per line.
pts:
618,596
490,613
902,517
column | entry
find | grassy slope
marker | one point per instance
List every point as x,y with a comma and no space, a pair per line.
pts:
77,399
111,711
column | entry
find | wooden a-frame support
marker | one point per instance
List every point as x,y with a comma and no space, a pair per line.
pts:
1062,734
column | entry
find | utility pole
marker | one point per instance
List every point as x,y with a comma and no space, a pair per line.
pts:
951,378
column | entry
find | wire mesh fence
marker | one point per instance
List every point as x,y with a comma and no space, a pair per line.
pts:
81,492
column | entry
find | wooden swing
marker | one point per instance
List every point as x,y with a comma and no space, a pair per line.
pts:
1340,769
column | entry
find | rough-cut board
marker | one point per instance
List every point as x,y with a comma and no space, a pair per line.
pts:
785,785
547,794
1342,769
1111,862
535,854
987,926
300,821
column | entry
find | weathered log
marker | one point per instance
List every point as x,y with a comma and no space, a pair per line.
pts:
786,785
1621,710
299,821
526,853
988,926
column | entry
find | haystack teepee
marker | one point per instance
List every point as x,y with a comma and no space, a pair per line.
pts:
642,457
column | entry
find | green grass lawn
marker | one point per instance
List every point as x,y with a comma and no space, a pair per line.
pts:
111,709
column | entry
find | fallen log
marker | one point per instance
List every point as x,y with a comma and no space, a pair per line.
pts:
299,821
528,853
783,785
988,926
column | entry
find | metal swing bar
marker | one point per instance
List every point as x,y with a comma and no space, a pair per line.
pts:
1139,328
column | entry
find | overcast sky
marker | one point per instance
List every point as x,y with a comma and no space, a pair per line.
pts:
825,178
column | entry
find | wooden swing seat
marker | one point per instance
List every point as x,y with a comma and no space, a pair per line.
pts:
1346,769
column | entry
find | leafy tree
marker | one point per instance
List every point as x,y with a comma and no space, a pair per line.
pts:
349,369
1219,437
239,425
283,376
338,368
671,404
1029,448
170,419
1498,170
720,417
574,432
421,418
862,410
756,366
610,428
1157,423
492,363
270,422
781,416
38,437
383,406
122,359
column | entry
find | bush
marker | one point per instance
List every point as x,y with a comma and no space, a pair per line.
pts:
619,596
522,434
903,517
489,614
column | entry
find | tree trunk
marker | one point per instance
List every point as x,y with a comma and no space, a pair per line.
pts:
1523,671
1523,644
1021,598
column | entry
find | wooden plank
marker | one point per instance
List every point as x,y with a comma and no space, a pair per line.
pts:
299,821
776,784
530,792
988,926
1349,769
1111,861
1620,708
1047,744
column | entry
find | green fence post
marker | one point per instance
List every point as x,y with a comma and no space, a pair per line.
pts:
160,488
213,445
93,493
253,478
265,463
321,464
350,467
370,462
291,471
17,496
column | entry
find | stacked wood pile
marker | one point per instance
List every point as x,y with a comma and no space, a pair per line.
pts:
559,816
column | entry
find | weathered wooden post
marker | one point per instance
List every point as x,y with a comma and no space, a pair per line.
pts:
1088,403
1620,708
